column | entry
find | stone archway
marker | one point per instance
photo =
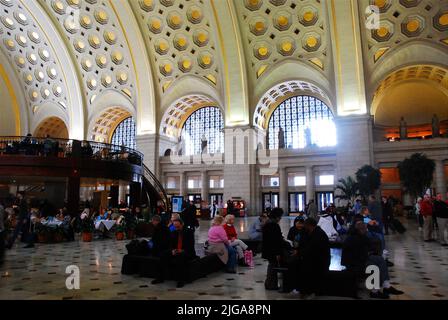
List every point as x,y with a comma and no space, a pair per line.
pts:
53,127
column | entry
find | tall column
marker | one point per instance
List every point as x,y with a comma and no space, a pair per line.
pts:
73,185
347,56
440,180
283,189
123,189
310,184
183,184
205,184
234,64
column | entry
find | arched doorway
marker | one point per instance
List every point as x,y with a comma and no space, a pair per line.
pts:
53,127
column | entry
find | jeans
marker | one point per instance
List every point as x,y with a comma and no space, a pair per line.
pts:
17,230
231,263
239,246
443,225
379,236
427,228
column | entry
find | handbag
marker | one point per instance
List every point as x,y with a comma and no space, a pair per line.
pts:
249,258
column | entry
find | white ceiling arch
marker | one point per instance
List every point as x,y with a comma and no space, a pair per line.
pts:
280,92
41,63
415,92
110,108
179,111
17,96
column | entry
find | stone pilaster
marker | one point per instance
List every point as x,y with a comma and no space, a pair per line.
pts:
310,180
440,178
355,144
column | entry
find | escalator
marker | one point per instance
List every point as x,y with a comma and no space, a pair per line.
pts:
153,191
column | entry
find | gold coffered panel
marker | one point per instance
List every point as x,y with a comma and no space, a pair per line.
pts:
404,21
181,34
274,30
98,43
29,52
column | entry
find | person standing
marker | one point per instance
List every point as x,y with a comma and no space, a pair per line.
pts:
273,248
188,215
312,210
419,214
315,259
441,213
2,232
213,209
426,210
387,211
21,219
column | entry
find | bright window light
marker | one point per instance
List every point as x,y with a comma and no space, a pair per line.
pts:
326,180
299,181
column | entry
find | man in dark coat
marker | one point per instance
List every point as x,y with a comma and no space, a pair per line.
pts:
273,247
315,259
189,216
160,237
360,251
22,220
180,252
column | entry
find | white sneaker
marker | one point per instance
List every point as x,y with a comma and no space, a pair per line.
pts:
420,229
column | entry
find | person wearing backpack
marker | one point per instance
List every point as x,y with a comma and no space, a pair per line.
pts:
441,213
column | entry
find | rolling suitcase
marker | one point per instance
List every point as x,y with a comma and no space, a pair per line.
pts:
398,226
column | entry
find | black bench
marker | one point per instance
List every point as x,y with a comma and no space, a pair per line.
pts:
147,266
337,283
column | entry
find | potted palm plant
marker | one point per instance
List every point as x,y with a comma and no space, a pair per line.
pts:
58,234
87,228
119,231
41,232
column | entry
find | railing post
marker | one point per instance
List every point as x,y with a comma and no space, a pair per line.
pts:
76,149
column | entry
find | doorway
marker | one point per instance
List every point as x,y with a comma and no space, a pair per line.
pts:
324,199
270,197
297,202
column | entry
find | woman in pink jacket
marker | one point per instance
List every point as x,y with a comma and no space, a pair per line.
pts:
219,243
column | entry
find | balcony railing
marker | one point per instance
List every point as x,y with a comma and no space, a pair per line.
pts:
68,148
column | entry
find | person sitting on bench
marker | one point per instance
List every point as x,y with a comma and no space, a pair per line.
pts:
219,243
160,237
360,251
255,231
180,252
239,245
315,259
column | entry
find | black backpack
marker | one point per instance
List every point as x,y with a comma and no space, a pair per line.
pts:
138,247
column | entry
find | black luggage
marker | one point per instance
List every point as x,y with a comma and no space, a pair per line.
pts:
397,226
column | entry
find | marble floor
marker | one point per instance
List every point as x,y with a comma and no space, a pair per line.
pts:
421,270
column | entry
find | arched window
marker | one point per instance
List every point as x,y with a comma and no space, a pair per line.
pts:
125,133
205,124
304,120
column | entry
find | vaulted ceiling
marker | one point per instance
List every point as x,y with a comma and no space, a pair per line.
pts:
158,59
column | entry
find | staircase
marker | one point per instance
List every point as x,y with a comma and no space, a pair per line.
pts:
154,190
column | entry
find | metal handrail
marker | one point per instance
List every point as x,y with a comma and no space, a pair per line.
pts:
68,148
152,179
